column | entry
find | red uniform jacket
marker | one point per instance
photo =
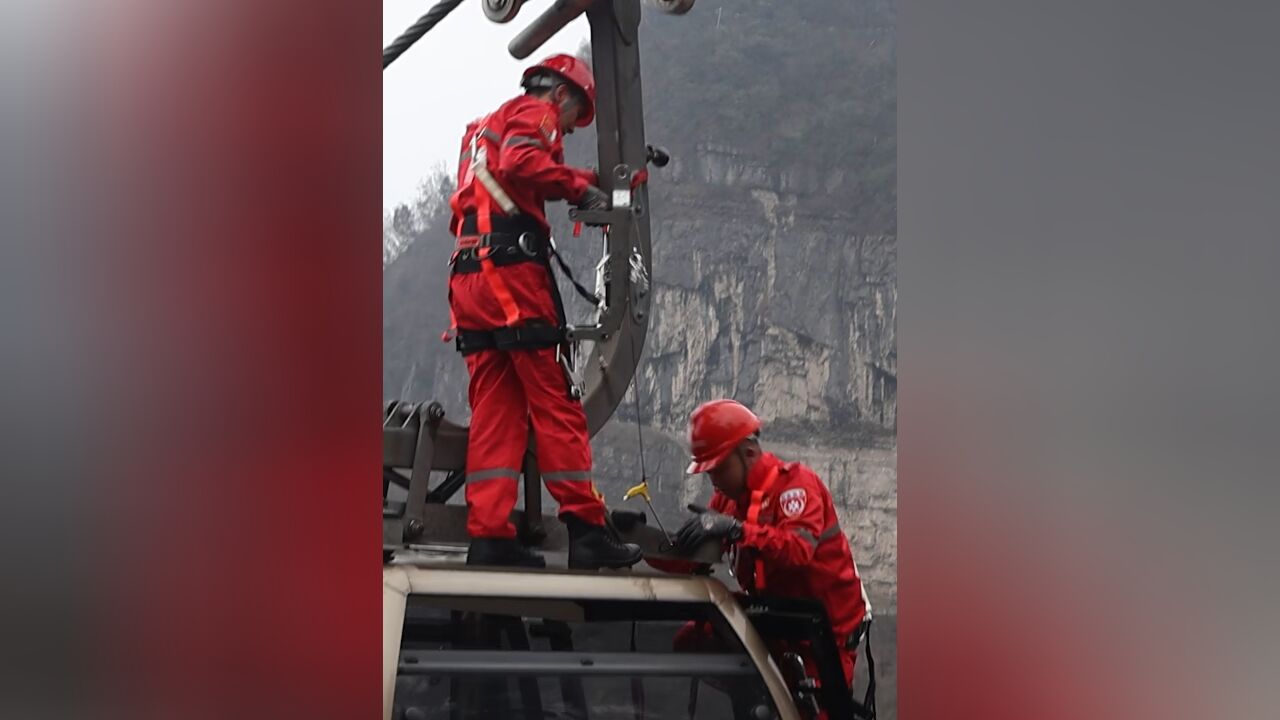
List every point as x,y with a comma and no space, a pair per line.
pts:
525,155
799,541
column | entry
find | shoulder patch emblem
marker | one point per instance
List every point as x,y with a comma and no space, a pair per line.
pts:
792,501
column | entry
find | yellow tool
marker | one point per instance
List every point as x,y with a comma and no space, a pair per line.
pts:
643,491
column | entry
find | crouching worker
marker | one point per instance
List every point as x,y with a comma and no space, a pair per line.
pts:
781,519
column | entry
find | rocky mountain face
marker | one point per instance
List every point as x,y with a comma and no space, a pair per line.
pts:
774,274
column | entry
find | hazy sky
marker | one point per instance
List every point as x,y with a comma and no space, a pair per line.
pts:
457,72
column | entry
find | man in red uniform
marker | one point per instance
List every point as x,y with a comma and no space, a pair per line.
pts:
781,518
509,321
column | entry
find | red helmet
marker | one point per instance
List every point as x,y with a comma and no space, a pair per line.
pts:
576,73
715,429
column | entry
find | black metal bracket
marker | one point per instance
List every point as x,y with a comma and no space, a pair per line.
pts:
405,425
797,620
453,482
429,417
405,421
411,441
601,218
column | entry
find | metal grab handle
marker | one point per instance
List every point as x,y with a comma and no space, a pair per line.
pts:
561,13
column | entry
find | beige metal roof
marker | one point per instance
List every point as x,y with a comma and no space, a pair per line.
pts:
446,577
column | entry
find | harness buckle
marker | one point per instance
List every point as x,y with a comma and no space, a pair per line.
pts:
526,242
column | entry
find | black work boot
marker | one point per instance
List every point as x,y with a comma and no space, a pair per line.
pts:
502,551
592,547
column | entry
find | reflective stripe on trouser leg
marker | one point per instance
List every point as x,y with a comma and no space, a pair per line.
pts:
560,432
495,444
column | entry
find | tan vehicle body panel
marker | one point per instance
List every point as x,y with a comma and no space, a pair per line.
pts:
400,581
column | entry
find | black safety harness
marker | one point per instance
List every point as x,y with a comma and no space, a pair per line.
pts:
512,240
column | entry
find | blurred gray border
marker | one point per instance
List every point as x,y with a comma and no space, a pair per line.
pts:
1088,310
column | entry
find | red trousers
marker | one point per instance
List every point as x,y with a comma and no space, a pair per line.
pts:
509,391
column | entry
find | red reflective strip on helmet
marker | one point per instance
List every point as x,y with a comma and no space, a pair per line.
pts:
753,517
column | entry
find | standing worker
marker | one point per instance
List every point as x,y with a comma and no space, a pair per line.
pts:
781,518
509,321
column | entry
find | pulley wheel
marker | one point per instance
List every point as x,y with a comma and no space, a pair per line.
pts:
503,11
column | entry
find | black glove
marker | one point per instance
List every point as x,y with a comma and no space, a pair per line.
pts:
707,524
594,199
626,520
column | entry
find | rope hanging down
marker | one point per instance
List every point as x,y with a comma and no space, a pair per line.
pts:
643,488
635,394
417,30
